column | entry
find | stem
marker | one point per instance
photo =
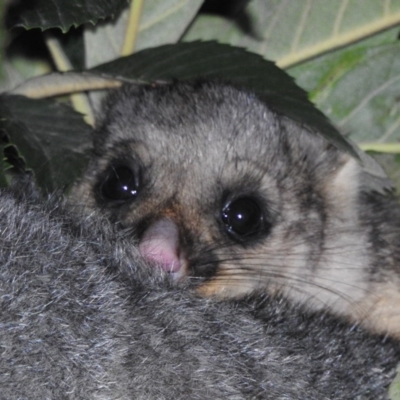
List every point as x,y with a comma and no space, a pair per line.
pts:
381,147
132,27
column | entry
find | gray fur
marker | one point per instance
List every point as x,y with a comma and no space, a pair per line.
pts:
83,318
197,144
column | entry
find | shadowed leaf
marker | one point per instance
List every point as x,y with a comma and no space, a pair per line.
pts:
62,14
51,138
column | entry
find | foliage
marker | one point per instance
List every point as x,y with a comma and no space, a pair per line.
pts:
346,54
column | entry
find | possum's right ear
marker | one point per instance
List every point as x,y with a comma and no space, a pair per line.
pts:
342,188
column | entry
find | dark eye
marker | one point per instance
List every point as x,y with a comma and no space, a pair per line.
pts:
121,183
243,217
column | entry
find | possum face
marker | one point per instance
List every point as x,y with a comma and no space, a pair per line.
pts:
219,190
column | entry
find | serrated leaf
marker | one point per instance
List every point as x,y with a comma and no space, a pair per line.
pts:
62,14
316,26
3,167
52,138
211,60
161,22
2,37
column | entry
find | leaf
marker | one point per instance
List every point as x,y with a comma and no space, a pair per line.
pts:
211,60
394,388
62,14
291,32
358,88
52,138
2,36
161,22
3,167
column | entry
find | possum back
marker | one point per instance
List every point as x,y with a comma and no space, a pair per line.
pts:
82,317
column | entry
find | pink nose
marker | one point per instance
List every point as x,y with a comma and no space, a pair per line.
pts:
160,245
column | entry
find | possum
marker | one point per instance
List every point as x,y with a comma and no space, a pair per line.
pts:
222,192
84,317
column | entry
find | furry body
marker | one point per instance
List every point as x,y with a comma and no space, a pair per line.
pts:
195,148
83,318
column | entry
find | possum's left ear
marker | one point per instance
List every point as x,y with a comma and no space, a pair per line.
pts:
343,187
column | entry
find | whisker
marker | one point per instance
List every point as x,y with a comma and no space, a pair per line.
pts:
298,284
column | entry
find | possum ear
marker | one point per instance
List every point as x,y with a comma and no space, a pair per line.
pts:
343,187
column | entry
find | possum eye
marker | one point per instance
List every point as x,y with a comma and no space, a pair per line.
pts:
243,218
121,183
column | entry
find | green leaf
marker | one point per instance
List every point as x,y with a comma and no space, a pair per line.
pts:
52,138
291,32
211,60
62,14
161,22
358,89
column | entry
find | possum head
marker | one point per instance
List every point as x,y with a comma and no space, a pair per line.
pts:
220,190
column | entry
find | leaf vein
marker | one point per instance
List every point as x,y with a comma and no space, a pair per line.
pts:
368,98
339,17
301,26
